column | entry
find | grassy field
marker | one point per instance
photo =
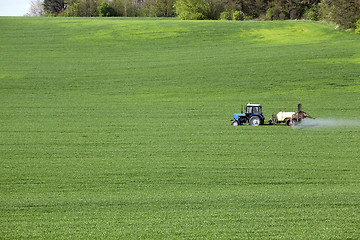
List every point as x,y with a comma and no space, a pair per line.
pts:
119,129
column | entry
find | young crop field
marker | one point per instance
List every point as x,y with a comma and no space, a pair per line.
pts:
119,128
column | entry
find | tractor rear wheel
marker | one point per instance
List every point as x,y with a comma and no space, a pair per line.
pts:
254,121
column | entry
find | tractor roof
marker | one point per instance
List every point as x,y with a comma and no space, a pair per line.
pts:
253,105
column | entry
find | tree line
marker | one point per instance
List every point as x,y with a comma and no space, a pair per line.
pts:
343,12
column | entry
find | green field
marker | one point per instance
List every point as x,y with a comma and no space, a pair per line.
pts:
119,129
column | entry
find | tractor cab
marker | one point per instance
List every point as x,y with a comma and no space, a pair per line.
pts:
253,109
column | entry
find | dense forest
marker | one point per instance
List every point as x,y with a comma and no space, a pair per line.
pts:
346,13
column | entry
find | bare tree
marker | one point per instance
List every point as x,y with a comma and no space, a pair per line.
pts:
36,8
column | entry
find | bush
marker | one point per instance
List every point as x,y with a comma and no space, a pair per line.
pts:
249,17
271,14
238,15
357,26
225,15
282,16
312,14
145,12
276,13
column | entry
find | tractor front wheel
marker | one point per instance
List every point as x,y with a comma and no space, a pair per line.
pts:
234,123
254,121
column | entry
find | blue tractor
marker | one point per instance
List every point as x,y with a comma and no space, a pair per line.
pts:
253,116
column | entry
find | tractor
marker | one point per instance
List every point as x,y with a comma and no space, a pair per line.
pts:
253,116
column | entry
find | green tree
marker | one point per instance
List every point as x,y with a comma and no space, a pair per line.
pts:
105,10
199,9
347,12
253,8
162,8
343,12
286,9
124,8
213,8
53,7
84,8
190,9
312,13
